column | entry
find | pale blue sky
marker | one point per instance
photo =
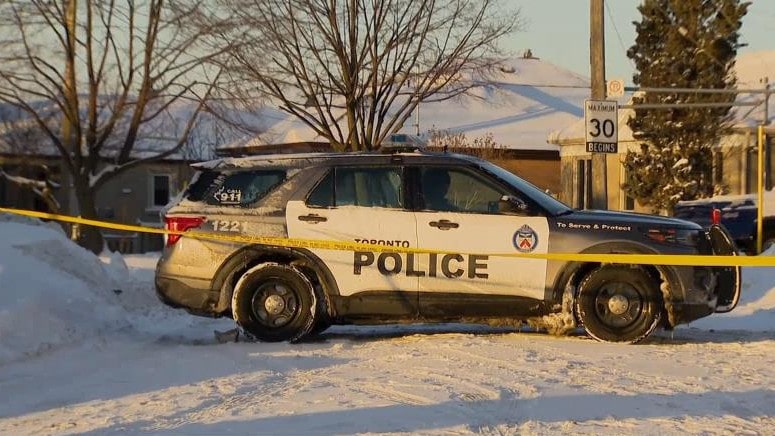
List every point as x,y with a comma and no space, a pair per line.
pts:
558,31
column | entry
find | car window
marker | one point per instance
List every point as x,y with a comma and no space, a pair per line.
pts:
323,194
368,187
526,189
454,190
241,188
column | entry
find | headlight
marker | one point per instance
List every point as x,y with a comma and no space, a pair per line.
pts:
688,238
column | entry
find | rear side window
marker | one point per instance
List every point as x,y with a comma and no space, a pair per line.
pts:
369,187
239,188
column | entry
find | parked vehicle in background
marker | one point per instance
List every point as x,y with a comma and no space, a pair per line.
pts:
463,210
737,213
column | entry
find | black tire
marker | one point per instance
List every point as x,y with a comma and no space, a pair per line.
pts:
319,328
274,303
619,304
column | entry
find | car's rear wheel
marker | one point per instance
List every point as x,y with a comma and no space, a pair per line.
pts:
319,328
274,302
619,304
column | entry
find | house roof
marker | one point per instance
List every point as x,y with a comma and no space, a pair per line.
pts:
519,106
750,68
19,135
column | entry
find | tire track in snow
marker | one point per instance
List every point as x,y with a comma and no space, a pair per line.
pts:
239,396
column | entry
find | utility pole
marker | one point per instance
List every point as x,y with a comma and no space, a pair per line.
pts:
70,133
597,66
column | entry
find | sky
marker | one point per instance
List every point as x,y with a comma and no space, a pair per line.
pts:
558,31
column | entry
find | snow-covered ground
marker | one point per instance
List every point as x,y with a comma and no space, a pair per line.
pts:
86,348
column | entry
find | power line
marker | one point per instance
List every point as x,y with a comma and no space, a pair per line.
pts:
618,35
549,86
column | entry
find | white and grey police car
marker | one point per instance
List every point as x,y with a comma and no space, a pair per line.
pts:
459,208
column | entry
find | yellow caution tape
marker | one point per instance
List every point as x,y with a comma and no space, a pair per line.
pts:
640,259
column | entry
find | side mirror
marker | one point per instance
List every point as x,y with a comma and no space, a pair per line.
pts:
510,203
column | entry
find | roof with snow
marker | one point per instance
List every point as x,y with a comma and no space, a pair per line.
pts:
525,101
519,106
220,124
750,69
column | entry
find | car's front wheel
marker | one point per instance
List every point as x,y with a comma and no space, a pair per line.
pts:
274,302
619,304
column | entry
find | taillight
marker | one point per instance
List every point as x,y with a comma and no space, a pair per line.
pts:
180,224
715,216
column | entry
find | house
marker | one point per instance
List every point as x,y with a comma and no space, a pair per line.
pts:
735,156
135,196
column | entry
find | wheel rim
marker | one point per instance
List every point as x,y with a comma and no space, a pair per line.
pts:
618,305
274,304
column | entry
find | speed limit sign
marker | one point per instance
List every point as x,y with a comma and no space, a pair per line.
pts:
601,126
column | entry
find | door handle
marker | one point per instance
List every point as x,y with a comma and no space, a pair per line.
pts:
312,218
444,224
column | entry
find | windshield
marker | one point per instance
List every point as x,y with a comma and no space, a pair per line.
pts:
546,201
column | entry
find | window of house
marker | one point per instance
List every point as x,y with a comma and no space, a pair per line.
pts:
160,190
583,183
769,164
718,167
368,187
627,202
752,167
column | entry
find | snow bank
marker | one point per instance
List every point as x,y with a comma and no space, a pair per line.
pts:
53,291
756,310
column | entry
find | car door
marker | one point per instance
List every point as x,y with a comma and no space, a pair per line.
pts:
362,204
469,226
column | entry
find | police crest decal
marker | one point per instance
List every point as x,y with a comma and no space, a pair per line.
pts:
525,239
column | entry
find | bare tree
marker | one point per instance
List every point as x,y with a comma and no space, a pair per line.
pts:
96,76
354,70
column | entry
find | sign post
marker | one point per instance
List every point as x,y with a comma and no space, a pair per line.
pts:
602,125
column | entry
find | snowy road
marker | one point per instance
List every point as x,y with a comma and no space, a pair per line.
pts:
85,348
450,379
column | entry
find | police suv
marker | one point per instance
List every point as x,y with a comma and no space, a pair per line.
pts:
433,224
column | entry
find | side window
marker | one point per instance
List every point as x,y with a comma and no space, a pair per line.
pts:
240,188
323,194
200,185
453,190
368,187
